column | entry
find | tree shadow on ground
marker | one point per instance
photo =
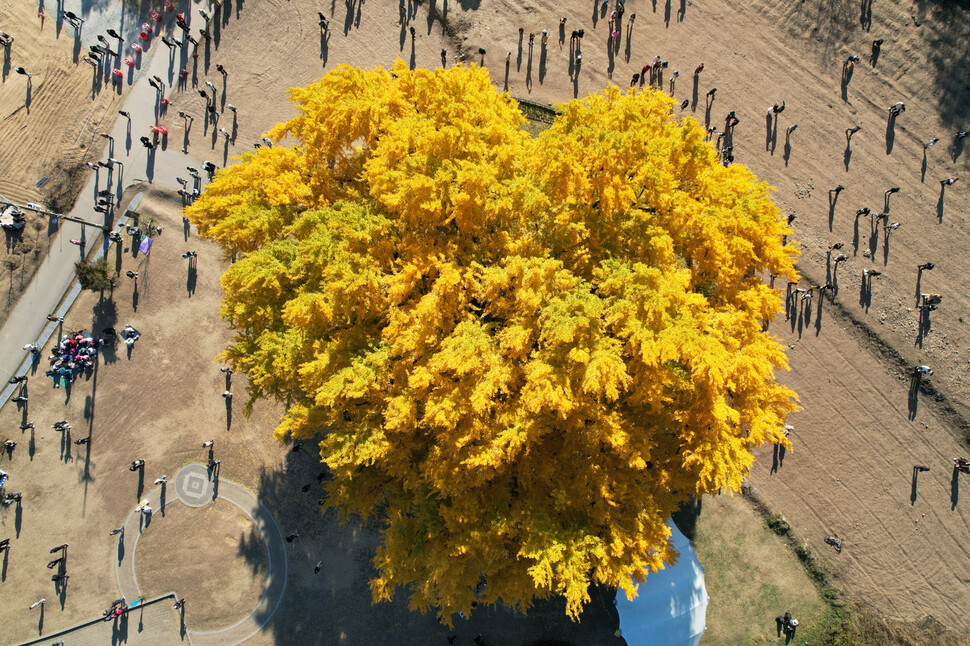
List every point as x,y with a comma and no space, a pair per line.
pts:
334,606
949,58
686,516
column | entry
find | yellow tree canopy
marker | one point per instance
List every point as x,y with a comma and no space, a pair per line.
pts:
520,353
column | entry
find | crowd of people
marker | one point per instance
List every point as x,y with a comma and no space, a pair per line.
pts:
74,355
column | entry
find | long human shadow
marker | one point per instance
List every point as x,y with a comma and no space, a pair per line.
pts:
939,203
890,133
192,278
865,293
954,488
6,63
818,315
923,327
768,122
629,41
543,51
347,550
913,399
833,200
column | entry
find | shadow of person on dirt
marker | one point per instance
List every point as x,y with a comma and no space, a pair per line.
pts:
954,488
939,203
912,491
890,133
192,277
105,315
913,400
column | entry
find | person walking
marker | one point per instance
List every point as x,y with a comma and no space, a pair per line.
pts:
136,464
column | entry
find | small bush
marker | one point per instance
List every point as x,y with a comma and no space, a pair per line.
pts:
778,524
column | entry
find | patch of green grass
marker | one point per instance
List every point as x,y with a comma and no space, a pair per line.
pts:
752,577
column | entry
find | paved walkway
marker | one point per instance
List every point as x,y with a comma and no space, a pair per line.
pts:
196,486
153,623
56,274
55,278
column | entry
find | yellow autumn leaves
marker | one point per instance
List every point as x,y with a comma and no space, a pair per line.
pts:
522,353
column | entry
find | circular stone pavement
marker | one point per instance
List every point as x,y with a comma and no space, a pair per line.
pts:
197,486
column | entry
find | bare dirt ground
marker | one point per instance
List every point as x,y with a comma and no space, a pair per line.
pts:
855,444
158,404
209,542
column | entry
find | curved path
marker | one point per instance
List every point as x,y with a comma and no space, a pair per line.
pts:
196,486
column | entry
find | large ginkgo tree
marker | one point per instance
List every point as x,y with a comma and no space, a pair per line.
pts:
520,354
